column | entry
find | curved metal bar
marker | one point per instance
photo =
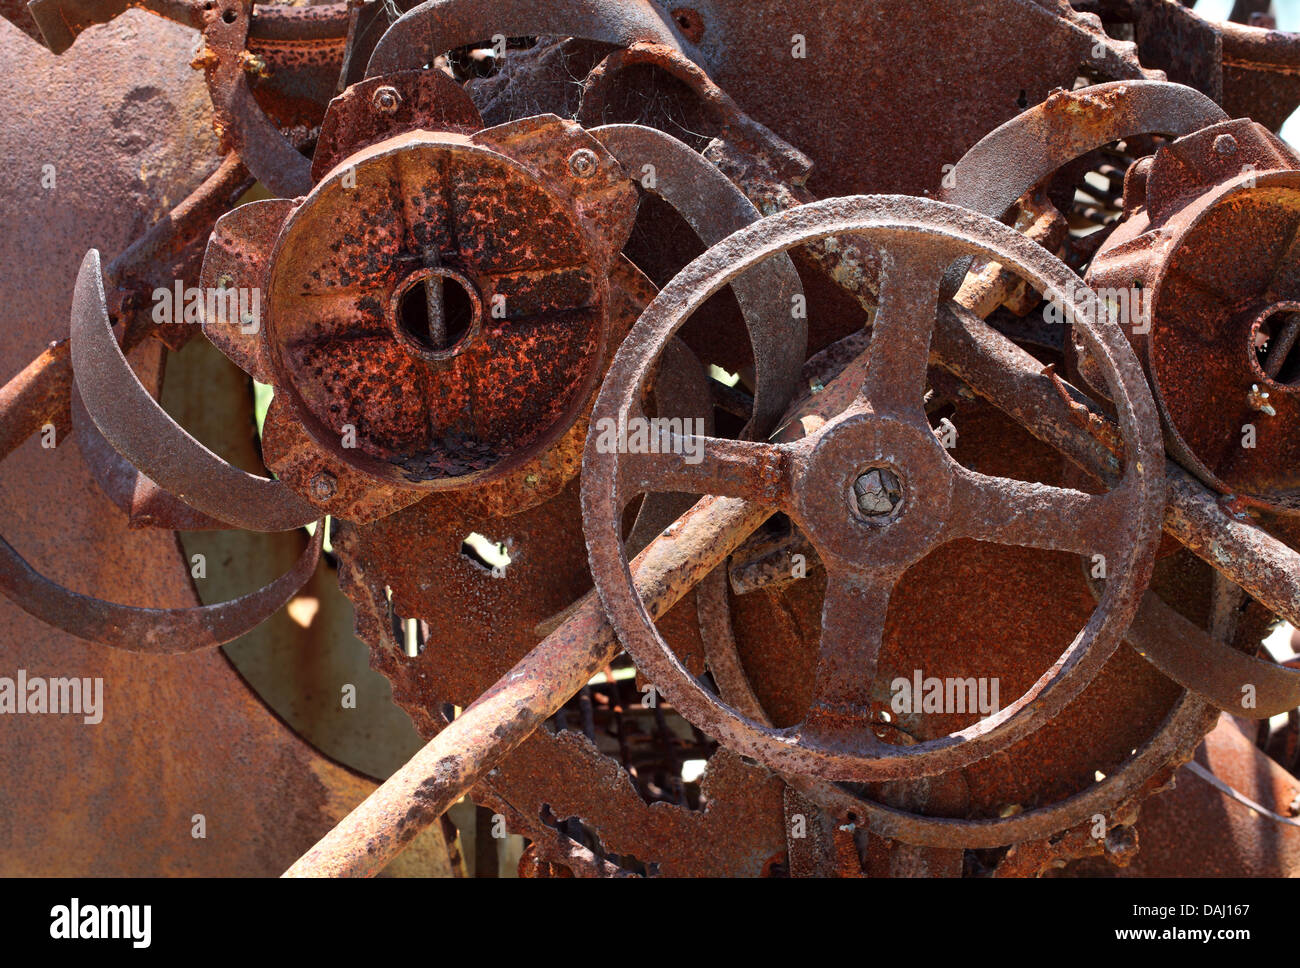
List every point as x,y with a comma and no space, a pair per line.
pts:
1069,124
1233,681
714,207
161,631
138,428
140,498
437,26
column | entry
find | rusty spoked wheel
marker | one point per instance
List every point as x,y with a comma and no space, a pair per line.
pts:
873,488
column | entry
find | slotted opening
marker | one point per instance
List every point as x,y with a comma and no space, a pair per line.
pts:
1277,346
436,312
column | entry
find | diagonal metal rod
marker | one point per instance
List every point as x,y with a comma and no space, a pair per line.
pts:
525,697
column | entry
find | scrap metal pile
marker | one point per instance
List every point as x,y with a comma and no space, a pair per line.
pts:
883,415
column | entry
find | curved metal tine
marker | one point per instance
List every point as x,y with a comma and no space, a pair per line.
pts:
714,208
133,493
163,631
138,428
434,27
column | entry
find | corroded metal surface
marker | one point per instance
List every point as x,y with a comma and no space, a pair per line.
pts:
442,302
808,481
1210,241
113,800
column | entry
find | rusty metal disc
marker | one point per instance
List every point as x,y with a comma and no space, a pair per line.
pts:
437,308
1224,298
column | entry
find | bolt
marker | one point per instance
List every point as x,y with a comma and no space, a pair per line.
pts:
324,485
386,100
1225,144
583,163
877,492
530,480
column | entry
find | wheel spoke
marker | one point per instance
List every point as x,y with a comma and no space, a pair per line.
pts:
853,630
900,335
710,465
1011,512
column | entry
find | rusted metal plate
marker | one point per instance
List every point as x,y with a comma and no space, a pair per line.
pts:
923,89
118,798
381,107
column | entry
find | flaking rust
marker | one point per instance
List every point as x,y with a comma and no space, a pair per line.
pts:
883,383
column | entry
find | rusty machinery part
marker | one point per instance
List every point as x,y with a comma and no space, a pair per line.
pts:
430,29
1197,661
500,335
583,642
559,772
1209,241
957,812
39,394
1038,46
523,697
450,125
918,498
140,430
1253,70
714,208
1010,160
556,774
380,107
520,701
240,39
237,117
160,631
62,21
171,249
143,501
617,76
1116,796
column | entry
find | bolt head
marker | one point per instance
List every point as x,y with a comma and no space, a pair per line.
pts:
1225,144
583,163
324,485
877,492
386,100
